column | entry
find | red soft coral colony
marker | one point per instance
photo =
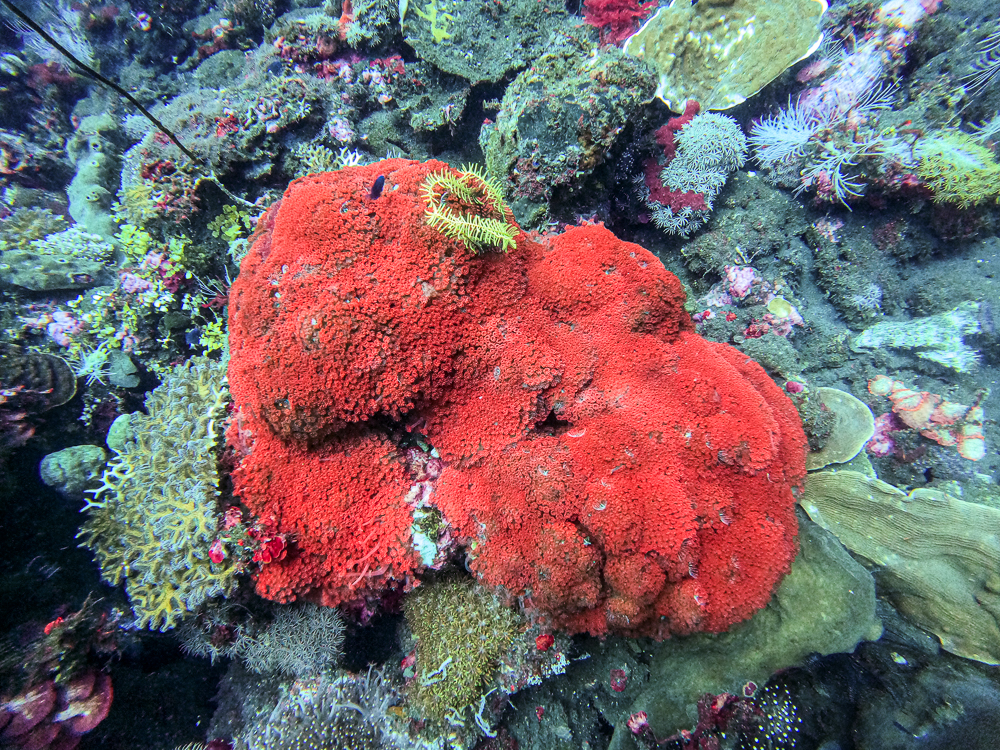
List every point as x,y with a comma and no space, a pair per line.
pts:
599,460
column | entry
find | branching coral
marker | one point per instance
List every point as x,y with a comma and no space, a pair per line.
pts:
153,519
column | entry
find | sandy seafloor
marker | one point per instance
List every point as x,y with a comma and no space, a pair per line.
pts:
786,266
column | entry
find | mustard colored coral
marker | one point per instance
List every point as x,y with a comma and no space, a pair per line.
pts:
462,630
153,519
957,169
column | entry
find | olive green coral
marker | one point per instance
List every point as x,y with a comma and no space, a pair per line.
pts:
70,259
462,630
28,224
154,517
720,53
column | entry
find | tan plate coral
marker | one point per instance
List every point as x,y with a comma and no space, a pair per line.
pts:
938,556
721,52
854,426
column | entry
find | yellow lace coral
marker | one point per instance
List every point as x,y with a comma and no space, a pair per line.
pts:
153,519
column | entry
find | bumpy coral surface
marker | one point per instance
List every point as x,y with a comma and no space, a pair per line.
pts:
600,460
461,631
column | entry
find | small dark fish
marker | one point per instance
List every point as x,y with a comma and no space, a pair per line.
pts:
193,337
275,68
377,187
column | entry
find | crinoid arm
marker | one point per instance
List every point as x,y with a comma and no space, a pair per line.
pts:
468,207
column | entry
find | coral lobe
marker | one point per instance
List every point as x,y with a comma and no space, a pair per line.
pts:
601,461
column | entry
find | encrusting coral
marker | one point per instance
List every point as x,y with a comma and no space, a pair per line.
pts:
851,427
938,338
461,630
596,456
935,418
154,518
935,556
70,259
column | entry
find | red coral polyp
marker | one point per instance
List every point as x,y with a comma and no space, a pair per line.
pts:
593,456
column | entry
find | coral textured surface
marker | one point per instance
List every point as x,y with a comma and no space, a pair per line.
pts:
600,460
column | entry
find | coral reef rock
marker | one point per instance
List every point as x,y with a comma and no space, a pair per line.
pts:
825,605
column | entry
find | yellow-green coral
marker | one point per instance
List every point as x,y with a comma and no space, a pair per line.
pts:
135,203
722,53
431,14
214,335
234,225
462,630
28,224
957,169
468,206
134,242
154,517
